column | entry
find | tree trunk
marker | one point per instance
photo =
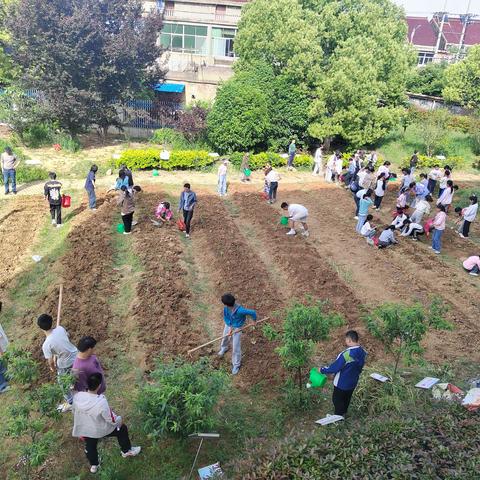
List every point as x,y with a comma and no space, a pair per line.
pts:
326,143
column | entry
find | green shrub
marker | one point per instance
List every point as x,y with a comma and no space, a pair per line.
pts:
169,138
187,159
38,135
27,174
259,160
429,162
303,160
67,142
179,159
180,398
236,158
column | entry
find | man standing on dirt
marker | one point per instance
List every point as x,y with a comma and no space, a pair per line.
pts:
347,369
59,352
90,188
9,163
222,178
188,200
52,195
292,150
234,316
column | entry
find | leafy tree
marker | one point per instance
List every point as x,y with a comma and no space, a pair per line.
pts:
82,54
428,80
463,80
180,398
8,70
401,328
433,133
192,122
303,327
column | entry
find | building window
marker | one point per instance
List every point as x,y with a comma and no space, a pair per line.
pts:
222,42
424,58
184,38
169,8
220,12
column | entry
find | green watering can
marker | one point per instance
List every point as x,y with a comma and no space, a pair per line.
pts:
284,220
155,173
247,172
120,228
317,379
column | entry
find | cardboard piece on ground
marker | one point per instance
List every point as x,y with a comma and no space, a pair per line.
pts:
379,378
427,383
210,471
330,419
36,258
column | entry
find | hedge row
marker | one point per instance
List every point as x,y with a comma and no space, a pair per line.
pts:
259,160
179,159
428,162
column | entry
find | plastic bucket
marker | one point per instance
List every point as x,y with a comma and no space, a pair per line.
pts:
155,173
284,220
247,172
120,228
317,379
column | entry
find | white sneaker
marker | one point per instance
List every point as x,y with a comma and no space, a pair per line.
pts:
64,407
187,235
356,218
436,251
473,274
60,225
461,234
291,232
54,222
127,233
94,468
133,452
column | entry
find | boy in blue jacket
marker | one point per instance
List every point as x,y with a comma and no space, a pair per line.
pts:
347,369
234,316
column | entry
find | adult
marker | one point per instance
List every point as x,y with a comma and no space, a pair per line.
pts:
422,207
59,352
469,215
272,178
51,191
443,181
330,170
338,166
439,228
292,150
85,364
363,207
472,265
414,161
3,369
387,237
126,202
9,164
446,198
351,173
128,173
222,178
244,167
93,419
412,229
234,317
347,369
380,189
186,204
318,161
385,168
433,177
296,214
90,187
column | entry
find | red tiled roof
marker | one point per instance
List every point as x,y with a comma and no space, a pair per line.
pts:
421,32
472,34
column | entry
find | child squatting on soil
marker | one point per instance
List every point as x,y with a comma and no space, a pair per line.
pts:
234,316
296,214
163,212
347,369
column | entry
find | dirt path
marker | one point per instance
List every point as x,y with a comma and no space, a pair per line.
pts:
408,272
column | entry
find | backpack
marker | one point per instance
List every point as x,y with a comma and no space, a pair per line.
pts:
354,186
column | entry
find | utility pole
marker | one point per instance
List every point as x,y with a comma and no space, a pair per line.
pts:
440,30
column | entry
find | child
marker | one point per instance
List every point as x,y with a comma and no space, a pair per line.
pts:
122,180
57,345
52,194
368,230
347,369
422,207
86,364
234,316
433,178
399,221
387,237
296,214
364,205
469,214
439,229
380,188
163,212
472,265
412,229
126,200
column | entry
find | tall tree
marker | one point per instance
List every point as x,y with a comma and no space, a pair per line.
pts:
8,70
82,54
463,81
